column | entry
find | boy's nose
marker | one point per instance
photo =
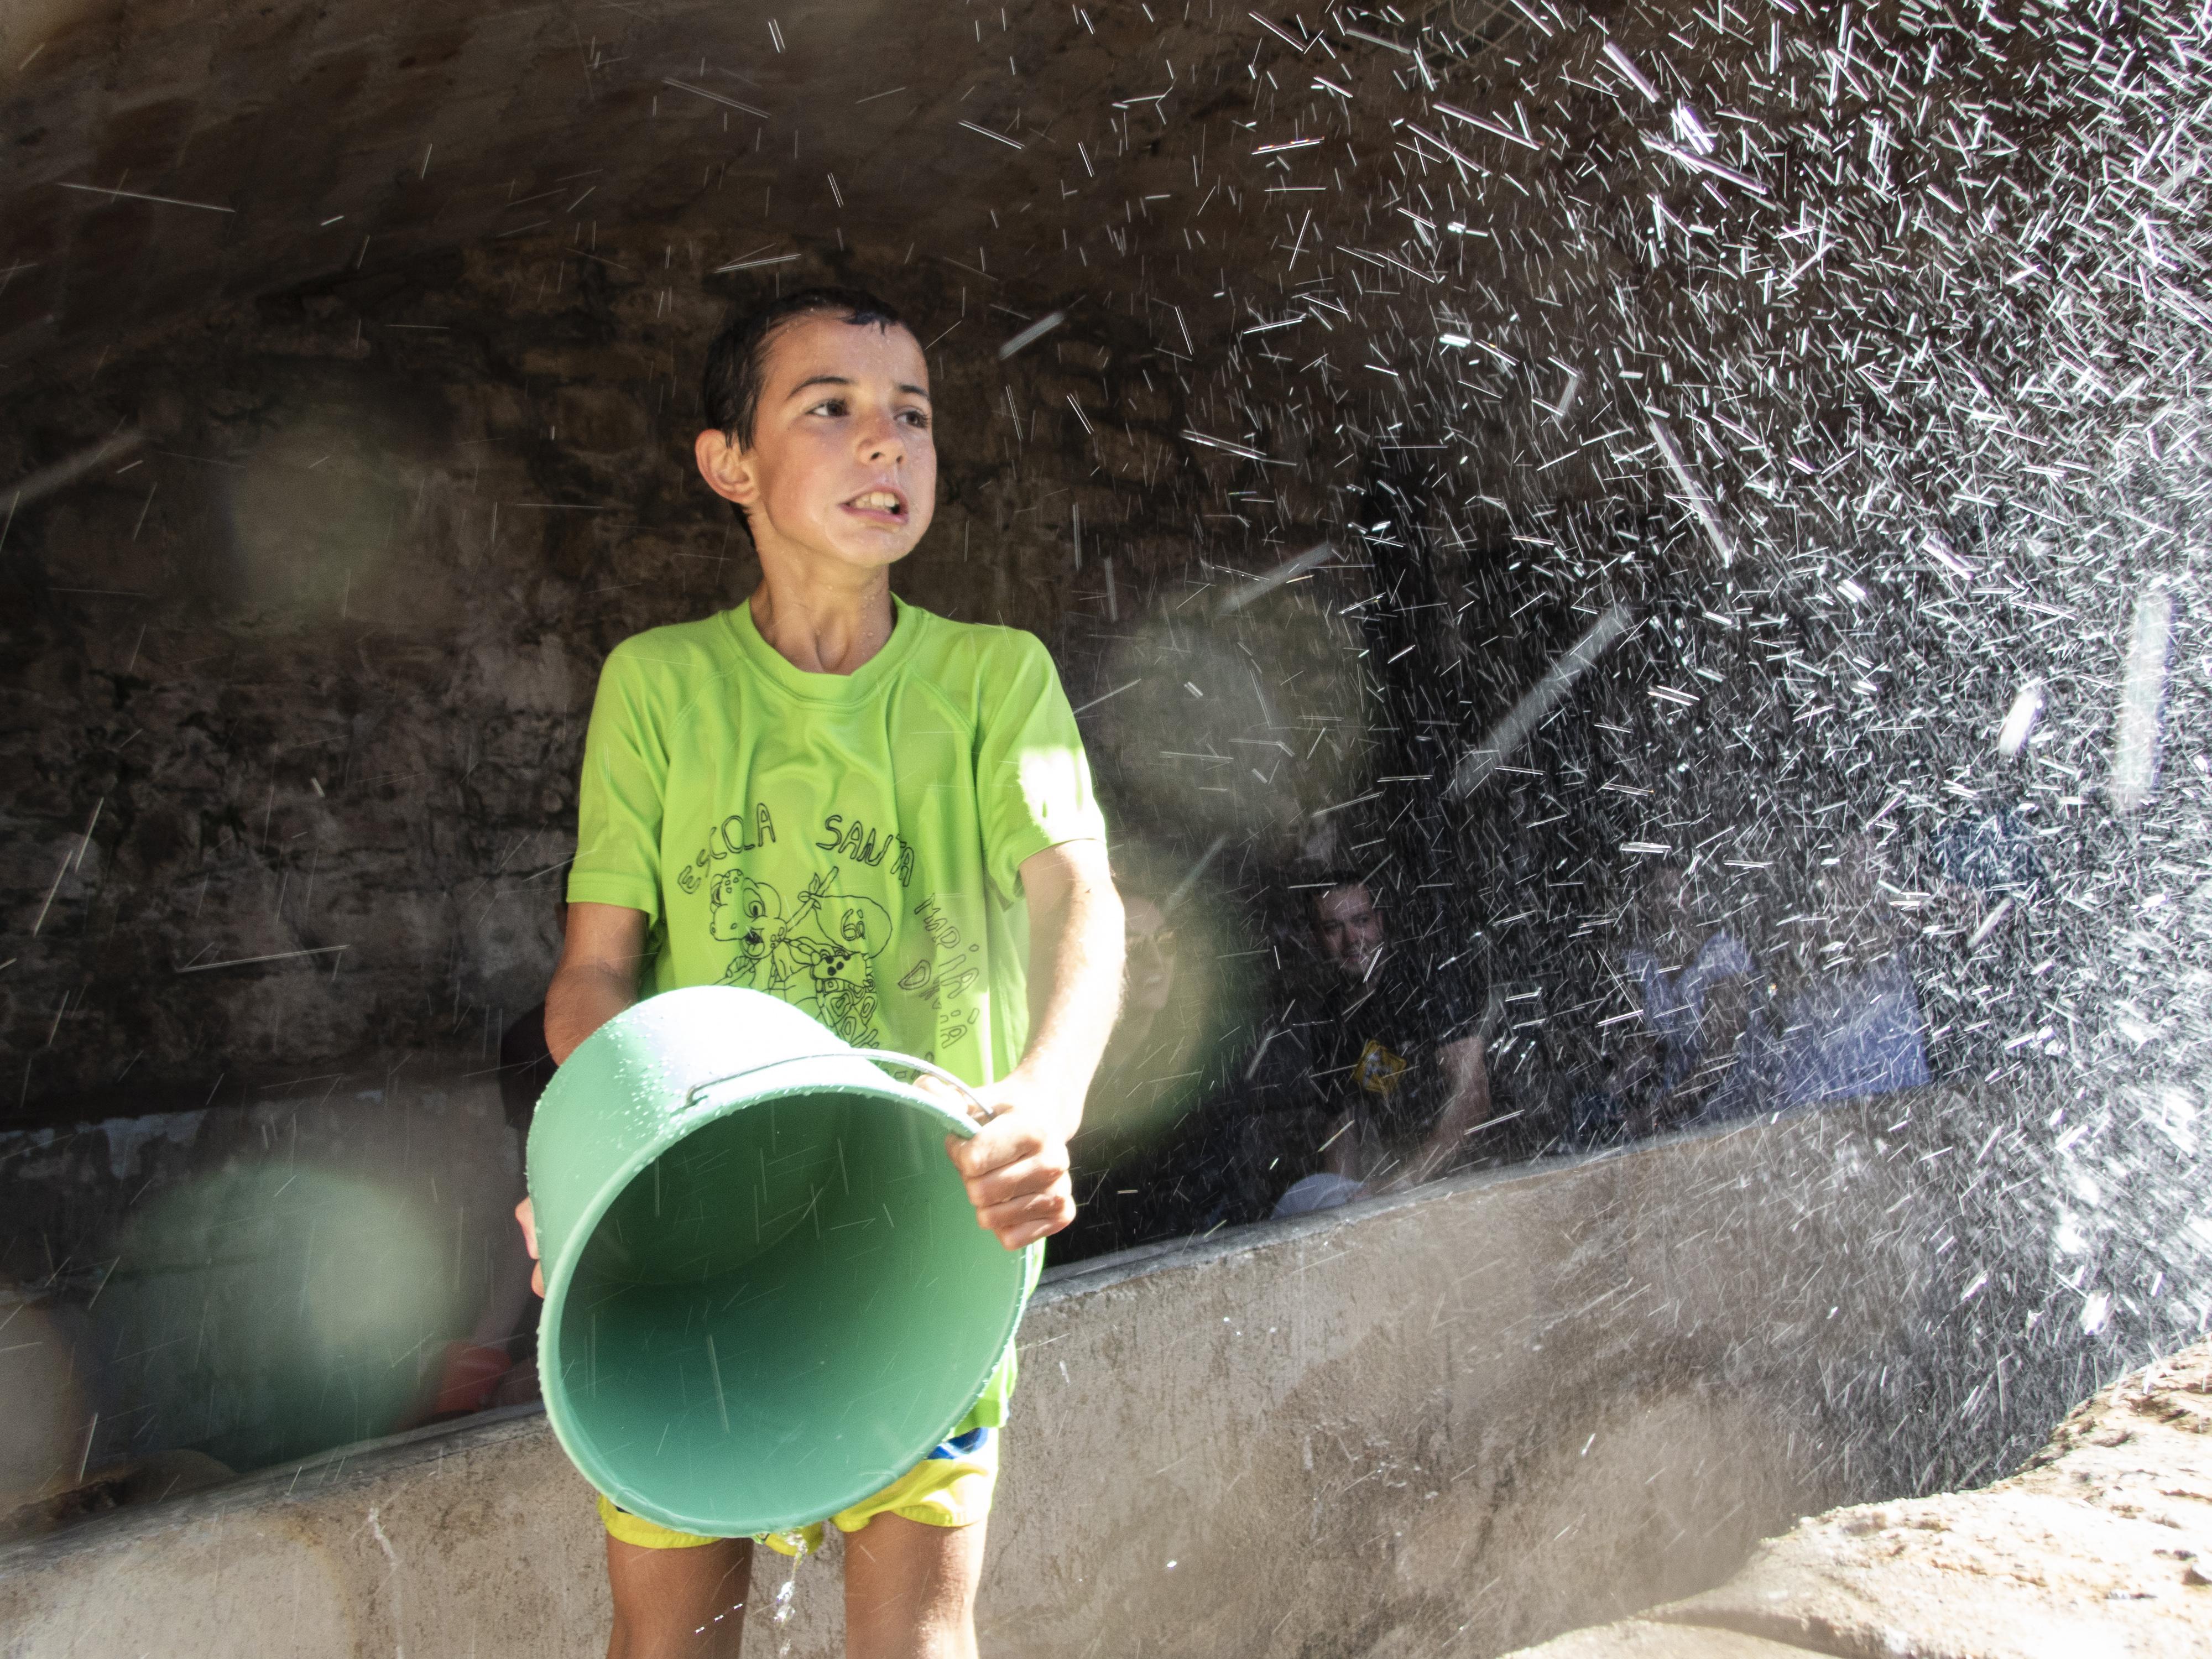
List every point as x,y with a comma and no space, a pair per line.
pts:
882,440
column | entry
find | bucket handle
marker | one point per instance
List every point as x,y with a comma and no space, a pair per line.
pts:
976,1109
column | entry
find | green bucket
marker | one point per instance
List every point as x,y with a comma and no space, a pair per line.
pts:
766,1293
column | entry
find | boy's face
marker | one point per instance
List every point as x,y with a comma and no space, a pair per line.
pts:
842,468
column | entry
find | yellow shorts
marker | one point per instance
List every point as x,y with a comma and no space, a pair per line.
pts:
950,1487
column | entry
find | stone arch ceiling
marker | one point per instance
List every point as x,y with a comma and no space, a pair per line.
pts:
317,139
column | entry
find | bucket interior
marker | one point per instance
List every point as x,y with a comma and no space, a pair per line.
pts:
780,1315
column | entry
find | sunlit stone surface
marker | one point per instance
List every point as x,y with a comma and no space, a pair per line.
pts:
2097,1546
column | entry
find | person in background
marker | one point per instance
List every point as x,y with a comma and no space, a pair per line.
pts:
1396,1049
496,1364
1851,1021
1703,1019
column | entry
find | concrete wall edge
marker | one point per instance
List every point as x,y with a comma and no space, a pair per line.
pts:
364,1463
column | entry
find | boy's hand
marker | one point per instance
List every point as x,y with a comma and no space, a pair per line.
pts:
527,1217
1016,1166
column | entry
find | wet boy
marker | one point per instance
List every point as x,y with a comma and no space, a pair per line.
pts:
881,817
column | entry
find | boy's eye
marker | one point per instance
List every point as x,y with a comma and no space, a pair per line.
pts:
919,419
829,406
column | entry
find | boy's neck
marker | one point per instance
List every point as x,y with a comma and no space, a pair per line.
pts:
823,627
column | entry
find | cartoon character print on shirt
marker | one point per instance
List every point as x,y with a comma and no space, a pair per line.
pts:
816,959
748,913
849,932
818,952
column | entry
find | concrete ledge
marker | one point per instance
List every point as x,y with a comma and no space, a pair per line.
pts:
1487,1410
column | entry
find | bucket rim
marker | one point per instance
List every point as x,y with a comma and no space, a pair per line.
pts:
697,1113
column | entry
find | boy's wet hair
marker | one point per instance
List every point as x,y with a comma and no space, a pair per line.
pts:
737,363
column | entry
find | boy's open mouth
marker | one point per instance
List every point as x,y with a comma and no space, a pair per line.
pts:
887,504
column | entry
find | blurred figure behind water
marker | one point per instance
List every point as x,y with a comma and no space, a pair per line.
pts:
1728,1025
496,1364
1699,1045
1851,1020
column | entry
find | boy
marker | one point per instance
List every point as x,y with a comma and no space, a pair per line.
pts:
833,797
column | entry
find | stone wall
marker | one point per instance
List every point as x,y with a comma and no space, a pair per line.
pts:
299,679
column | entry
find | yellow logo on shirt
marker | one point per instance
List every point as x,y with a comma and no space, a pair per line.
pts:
1379,1069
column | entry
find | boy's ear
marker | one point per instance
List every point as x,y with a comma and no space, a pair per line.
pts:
727,469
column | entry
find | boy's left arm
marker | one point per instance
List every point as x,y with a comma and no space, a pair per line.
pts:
1016,1166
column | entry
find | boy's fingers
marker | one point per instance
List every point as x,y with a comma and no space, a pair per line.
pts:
1028,1219
525,1216
969,1158
1055,1209
1012,1180
1017,1179
1026,1206
1034,1220
993,1148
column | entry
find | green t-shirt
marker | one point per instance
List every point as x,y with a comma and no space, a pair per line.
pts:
848,842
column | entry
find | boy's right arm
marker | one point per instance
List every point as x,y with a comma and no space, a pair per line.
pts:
597,979
600,961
